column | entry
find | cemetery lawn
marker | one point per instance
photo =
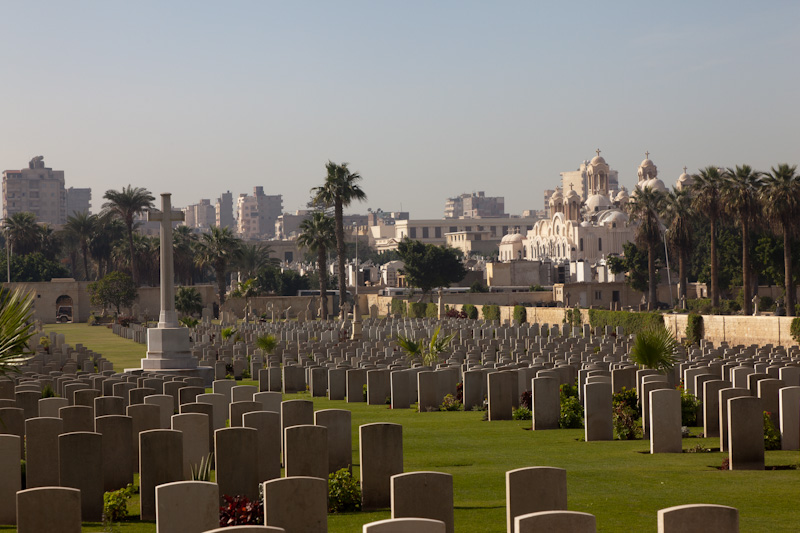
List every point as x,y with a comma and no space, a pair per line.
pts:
618,481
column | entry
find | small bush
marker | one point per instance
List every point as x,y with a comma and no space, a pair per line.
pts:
694,328
491,313
240,511
202,472
526,399
417,309
450,403
477,286
344,492
766,303
772,438
537,288
795,329
48,392
522,413
452,313
115,504
571,416
520,314
432,310
628,398
626,420
398,307
471,311
460,391
689,405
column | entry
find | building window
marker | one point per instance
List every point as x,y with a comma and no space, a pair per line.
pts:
412,232
425,233
453,229
598,295
437,231
600,244
581,244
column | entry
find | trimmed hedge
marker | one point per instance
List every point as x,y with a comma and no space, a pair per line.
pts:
417,309
471,311
399,307
432,310
631,322
520,314
491,312
694,328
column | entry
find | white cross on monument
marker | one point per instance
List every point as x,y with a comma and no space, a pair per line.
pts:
168,318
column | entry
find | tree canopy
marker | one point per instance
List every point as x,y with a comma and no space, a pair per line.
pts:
428,266
116,288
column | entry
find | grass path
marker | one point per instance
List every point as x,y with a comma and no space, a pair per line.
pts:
619,482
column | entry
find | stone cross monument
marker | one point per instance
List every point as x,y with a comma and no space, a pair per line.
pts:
168,345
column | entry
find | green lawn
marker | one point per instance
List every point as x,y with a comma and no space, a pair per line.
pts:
619,482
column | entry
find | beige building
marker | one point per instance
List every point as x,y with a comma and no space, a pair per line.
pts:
37,189
434,231
475,205
200,216
258,213
288,224
223,211
78,201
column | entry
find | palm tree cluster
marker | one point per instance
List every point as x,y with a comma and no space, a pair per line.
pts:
753,199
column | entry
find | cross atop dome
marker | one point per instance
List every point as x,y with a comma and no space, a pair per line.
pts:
684,170
598,151
647,155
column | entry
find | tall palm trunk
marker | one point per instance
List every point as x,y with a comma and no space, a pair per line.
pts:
787,265
714,273
85,250
338,216
746,281
651,277
220,272
682,273
323,282
134,273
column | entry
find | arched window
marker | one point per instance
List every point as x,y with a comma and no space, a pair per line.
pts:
600,244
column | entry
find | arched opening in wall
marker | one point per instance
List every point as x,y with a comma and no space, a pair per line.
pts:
64,309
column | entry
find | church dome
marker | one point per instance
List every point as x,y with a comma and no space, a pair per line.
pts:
511,238
684,180
614,217
647,163
556,196
598,160
597,202
622,196
653,183
572,195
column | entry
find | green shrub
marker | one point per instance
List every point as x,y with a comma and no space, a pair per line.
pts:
520,314
48,392
573,317
795,329
689,406
202,472
417,309
772,438
694,328
522,413
471,311
115,504
626,419
631,322
537,288
432,310
398,307
450,403
571,416
491,313
766,303
344,492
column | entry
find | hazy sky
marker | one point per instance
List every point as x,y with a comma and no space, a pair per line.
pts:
425,99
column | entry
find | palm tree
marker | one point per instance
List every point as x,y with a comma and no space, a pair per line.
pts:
741,197
254,257
318,235
16,313
108,232
706,191
781,197
218,248
81,226
49,242
339,190
125,205
23,232
678,212
188,300
184,241
654,348
644,207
